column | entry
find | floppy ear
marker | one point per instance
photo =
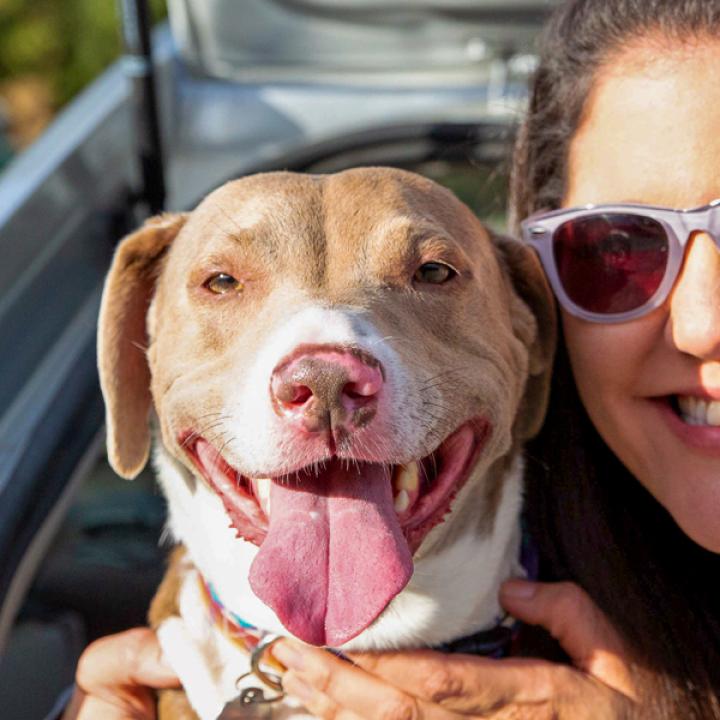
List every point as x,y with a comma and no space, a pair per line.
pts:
539,332
122,341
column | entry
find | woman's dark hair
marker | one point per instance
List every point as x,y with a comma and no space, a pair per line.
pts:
594,522
581,36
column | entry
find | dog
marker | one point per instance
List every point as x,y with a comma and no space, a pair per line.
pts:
339,372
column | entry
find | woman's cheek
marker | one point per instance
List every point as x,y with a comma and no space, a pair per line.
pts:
610,364
602,359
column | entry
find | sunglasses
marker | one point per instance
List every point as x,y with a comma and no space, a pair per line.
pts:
612,263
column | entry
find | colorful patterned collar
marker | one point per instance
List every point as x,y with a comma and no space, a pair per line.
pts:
241,633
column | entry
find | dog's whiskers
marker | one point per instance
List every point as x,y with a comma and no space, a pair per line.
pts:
449,371
189,439
204,433
214,439
210,414
438,405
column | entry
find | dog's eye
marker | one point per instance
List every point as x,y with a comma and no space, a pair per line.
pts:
222,283
434,273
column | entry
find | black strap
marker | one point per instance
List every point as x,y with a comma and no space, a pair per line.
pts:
494,642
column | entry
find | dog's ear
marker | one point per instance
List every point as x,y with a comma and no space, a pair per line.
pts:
122,341
538,331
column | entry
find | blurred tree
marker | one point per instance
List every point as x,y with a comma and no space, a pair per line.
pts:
49,50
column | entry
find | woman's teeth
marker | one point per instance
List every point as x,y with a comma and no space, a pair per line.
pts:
696,411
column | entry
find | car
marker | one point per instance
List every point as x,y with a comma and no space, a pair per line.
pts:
434,86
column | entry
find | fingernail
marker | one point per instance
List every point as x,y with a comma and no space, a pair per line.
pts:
294,685
518,589
289,655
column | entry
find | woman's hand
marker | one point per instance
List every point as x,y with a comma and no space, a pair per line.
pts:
432,686
116,675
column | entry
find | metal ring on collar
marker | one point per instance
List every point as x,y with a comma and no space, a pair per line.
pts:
272,681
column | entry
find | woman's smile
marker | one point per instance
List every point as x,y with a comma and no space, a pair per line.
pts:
698,410
694,419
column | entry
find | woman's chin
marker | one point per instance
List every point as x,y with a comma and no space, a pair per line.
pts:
695,506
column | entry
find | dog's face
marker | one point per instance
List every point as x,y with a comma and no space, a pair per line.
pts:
334,358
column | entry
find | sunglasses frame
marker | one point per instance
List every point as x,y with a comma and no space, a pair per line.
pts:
539,231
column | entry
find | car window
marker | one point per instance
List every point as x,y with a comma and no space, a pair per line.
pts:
263,38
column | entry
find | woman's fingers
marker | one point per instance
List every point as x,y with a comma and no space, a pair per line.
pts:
317,703
432,686
115,675
580,627
420,685
337,690
520,689
463,683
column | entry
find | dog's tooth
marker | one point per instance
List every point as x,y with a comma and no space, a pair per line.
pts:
408,478
261,487
402,502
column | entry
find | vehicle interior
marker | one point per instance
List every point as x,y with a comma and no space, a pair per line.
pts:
82,549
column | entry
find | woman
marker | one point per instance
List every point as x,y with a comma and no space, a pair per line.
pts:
625,109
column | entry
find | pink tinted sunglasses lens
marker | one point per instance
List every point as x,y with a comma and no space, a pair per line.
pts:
612,262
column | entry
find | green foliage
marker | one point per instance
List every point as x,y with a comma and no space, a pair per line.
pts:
68,42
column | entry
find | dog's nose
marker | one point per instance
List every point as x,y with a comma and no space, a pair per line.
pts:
327,388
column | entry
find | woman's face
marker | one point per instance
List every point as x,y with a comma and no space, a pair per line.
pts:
651,134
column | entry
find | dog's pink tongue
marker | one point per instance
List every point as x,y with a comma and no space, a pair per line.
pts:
334,555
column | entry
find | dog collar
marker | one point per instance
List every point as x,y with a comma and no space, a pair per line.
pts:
494,642
233,627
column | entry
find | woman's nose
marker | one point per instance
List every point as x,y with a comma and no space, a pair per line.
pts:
695,302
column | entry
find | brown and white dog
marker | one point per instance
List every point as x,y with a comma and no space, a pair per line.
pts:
340,371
